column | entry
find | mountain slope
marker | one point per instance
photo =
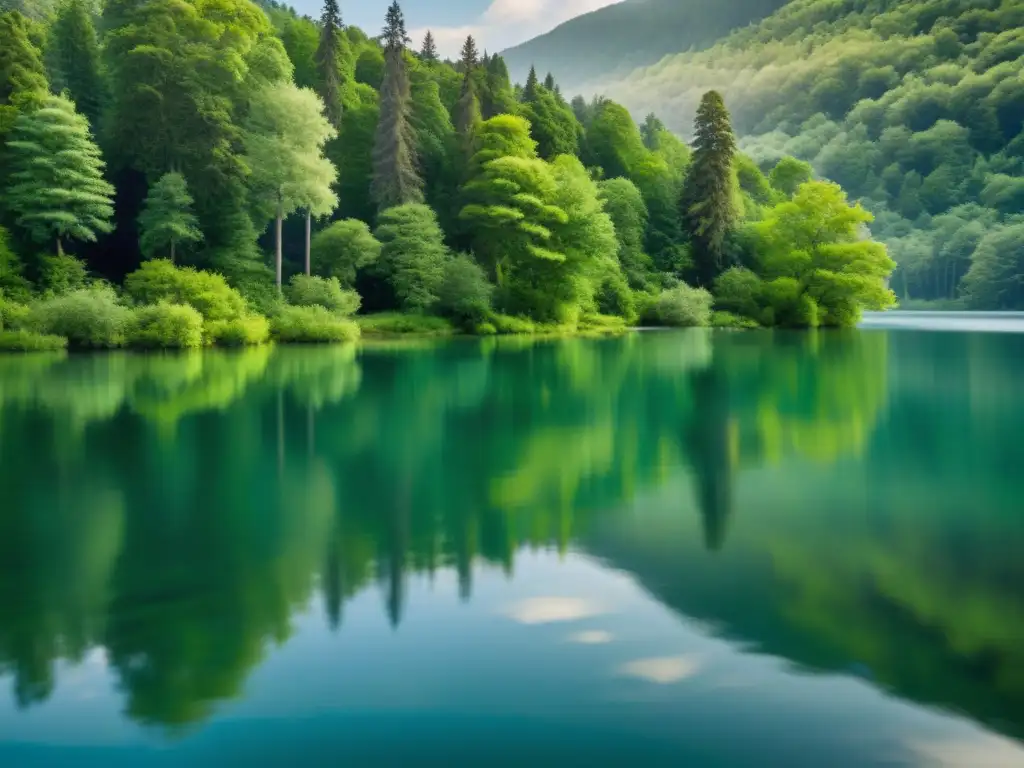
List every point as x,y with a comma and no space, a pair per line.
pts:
621,37
916,108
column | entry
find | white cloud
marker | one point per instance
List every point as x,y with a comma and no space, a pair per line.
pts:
509,22
544,610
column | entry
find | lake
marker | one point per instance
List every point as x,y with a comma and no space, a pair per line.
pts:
676,548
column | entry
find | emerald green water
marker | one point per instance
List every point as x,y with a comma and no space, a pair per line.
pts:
685,548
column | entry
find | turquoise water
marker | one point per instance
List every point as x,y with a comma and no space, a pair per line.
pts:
683,547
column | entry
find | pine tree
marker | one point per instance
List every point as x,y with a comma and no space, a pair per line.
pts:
549,82
396,180
530,91
707,202
78,57
167,217
327,61
56,186
23,84
428,52
651,130
470,55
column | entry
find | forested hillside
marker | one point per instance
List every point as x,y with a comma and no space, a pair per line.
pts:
181,173
916,108
630,34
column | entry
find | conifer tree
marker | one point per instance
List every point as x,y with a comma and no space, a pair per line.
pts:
428,52
56,186
497,97
23,84
707,202
549,82
77,57
530,90
470,55
396,180
167,218
327,61
467,109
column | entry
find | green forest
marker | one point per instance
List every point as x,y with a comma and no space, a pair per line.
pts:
915,108
178,174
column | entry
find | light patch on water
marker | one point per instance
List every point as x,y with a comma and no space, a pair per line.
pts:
663,671
591,637
545,610
986,751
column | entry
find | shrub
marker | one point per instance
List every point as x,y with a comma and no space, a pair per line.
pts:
88,318
729,320
602,324
342,248
739,291
12,314
244,331
787,306
393,324
165,326
615,297
306,291
26,341
465,293
485,329
413,254
507,325
62,274
209,293
311,325
683,306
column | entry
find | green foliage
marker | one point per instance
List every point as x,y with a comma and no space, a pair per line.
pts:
311,325
709,193
243,331
88,318
165,326
330,59
731,321
62,274
57,187
167,218
23,85
13,314
396,180
209,293
739,291
681,307
788,174
12,283
413,255
26,341
552,124
393,324
615,298
464,295
343,248
306,291
625,204
77,56
994,280
813,244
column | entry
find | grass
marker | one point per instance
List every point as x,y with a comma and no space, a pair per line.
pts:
311,325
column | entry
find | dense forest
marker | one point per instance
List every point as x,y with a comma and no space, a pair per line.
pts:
635,33
915,108
179,174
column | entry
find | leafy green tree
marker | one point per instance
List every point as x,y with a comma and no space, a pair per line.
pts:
625,205
788,174
552,124
708,202
651,131
413,254
497,97
284,139
56,186
23,85
428,51
328,58
994,280
813,244
509,198
396,179
78,57
343,248
167,218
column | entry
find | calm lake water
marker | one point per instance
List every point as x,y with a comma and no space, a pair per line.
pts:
681,548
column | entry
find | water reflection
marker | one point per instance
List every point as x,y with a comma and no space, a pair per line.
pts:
857,496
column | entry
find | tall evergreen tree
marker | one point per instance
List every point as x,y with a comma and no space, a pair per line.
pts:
23,84
498,97
470,55
530,90
167,219
428,52
56,184
327,57
549,82
650,130
467,109
396,179
708,197
77,57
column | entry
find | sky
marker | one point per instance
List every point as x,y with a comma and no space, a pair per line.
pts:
496,24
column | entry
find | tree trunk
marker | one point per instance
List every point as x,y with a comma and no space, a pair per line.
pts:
60,250
277,244
172,251
309,229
